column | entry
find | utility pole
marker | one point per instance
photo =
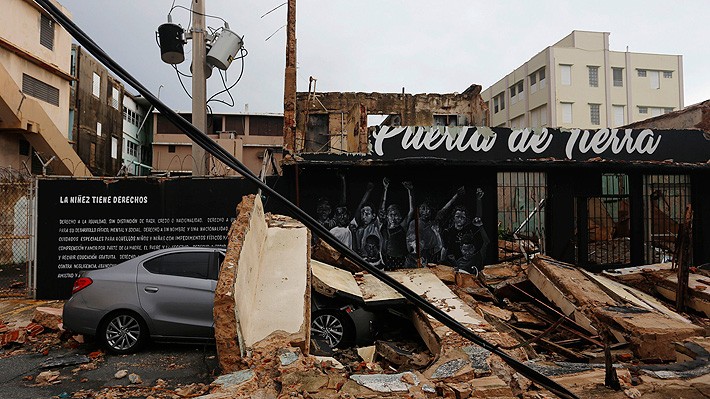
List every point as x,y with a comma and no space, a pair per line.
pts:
290,81
200,163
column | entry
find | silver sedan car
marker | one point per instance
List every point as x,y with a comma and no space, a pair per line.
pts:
166,295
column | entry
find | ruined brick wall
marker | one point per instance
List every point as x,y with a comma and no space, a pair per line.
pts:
347,113
693,117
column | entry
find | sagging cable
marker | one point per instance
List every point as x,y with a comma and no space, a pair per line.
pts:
228,159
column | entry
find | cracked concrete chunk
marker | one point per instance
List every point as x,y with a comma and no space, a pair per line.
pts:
234,379
449,368
287,357
478,358
386,382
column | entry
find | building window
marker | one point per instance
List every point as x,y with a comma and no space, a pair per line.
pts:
593,76
566,112
114,147
566,74
446,120
643,110
541,78
98,129
618,74
667,110
40,90
642,73
618,111
171,148
594,114
533,82
114,97
96,86
132,149
46,32
655,79
499,102
516,92
668,74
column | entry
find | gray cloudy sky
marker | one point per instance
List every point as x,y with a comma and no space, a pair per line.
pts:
365,45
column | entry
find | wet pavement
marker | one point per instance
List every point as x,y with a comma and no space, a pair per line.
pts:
162,369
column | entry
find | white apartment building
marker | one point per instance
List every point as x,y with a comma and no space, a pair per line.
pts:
35,78
579,83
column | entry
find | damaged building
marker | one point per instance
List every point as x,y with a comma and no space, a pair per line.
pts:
501,230
599,199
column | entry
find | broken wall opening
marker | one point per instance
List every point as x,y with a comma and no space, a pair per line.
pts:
317,137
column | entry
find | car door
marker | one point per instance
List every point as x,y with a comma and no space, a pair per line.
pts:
176,289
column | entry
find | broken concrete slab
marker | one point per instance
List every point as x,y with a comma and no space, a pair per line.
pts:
697,349
650,332
266,272
553,293
50,318
401,357
233,379
332,281
367,353
310,381
387,383
666,283
634,296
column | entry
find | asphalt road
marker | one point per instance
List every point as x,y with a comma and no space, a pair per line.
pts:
176,364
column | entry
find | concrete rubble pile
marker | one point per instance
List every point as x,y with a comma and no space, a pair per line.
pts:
566,323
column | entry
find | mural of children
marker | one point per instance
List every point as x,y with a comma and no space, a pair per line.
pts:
470,259
341,230
323,213
371,251
366,222
460,226
480,241
430,242
393,233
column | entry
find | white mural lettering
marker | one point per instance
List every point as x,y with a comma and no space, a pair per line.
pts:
381,135
476,141
600,141
522,140
645,142
471,139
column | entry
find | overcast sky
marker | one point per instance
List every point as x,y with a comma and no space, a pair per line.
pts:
364,45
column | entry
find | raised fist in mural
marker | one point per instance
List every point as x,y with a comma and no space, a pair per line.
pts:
408,185
386,182
479,193
461,191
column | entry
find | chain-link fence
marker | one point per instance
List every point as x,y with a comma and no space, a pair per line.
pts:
15,209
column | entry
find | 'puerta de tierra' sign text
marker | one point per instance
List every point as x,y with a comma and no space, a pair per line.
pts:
497,144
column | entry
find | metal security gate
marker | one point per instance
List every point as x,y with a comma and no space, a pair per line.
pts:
521,215
603,225
16,203
665,199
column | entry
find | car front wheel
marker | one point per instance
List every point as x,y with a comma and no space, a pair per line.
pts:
332,327
123,332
